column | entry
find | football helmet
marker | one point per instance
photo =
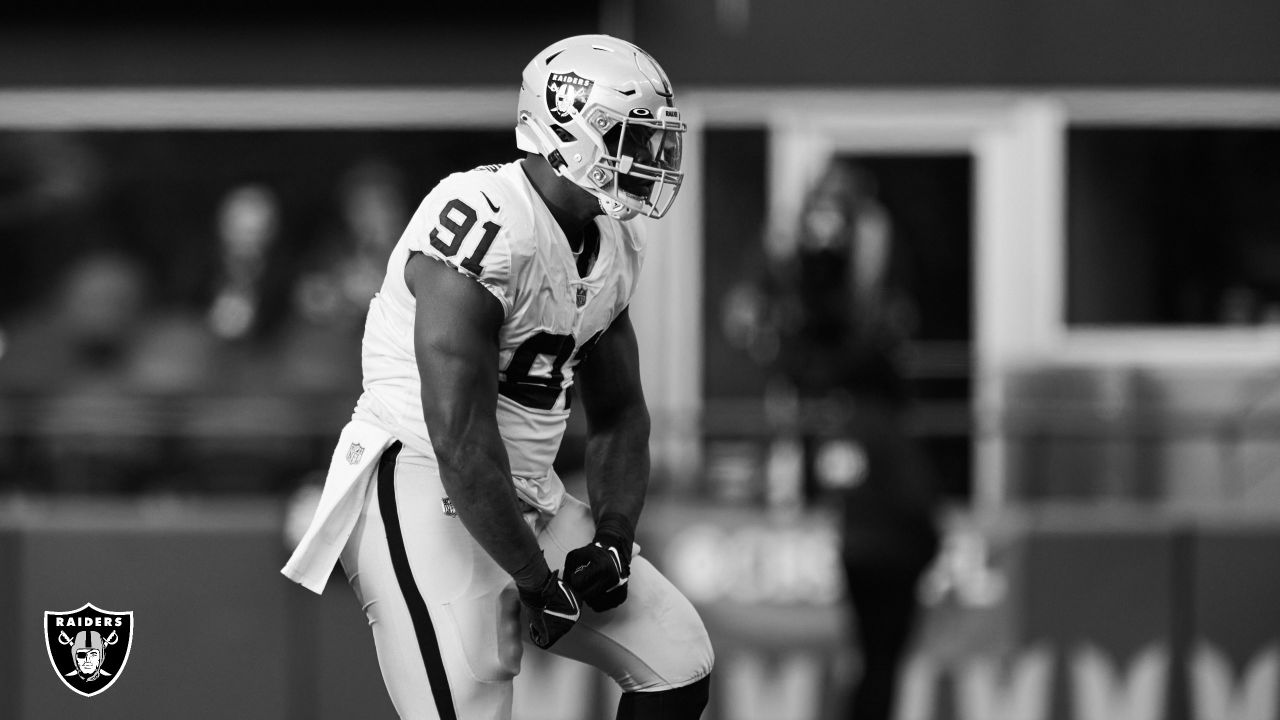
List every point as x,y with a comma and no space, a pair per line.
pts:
600,110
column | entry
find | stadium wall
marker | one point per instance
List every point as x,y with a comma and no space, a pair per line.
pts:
1063,614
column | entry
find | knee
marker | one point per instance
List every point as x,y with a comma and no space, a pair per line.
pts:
684,662
671,645
703,659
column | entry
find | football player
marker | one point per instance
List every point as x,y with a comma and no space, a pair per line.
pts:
510,284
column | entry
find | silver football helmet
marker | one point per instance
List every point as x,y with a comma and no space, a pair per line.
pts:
600,110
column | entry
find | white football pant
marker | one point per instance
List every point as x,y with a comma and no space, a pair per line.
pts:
446,618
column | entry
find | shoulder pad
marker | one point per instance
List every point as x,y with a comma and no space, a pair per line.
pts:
461,223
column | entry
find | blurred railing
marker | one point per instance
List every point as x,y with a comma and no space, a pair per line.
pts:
1103,434
1049,450
282,416
166,443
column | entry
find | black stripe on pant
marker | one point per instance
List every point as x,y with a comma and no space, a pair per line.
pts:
422,627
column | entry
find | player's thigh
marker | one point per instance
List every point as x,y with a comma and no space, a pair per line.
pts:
653,641
444,620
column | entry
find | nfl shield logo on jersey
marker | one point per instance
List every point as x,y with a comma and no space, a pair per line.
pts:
581,296
354,453
88,647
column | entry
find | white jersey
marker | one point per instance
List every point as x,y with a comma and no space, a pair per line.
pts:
490,225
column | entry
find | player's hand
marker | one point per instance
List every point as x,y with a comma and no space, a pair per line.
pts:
553,610
598,572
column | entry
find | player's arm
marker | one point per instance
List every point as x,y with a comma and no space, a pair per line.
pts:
617,464
456,342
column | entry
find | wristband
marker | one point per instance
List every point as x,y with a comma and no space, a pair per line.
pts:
533,574
617,528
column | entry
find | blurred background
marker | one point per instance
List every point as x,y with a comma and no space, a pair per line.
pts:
961,344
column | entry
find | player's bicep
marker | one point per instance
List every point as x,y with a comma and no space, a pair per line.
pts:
456,328
609,376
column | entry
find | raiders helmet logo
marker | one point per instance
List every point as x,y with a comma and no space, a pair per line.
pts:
88,647
567,95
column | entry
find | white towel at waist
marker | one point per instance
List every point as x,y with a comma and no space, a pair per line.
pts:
544,494
355,459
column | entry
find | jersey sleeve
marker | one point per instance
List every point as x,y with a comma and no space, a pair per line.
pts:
460,224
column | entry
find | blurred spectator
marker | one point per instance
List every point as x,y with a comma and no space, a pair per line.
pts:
344,270
82,338
248,226
1252,293
71,359
50,185
175,354
831,321
352,257
246,303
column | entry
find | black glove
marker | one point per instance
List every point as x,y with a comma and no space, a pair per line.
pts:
553,610
598,572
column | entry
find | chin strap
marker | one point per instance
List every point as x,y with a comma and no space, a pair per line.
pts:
616,210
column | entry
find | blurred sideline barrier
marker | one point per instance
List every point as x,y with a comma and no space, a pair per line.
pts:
1195,437
1056,613
1192,438
185,443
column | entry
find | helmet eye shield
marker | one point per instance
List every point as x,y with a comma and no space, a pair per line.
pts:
647,145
